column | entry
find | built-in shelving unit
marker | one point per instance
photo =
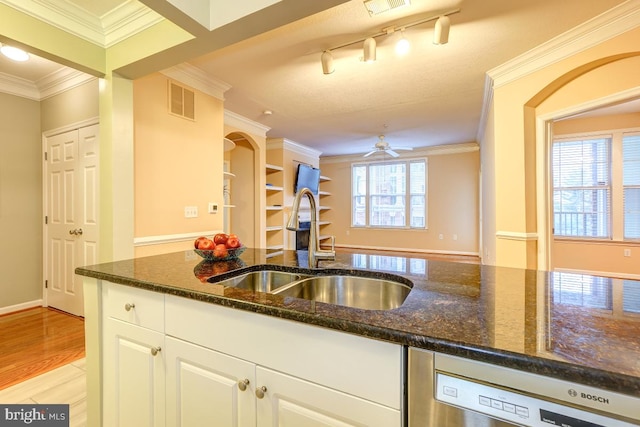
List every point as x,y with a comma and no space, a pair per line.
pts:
324,197
274,209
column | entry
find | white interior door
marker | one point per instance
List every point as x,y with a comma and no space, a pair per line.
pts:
72,214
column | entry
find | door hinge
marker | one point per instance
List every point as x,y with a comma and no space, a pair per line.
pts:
46,284
46,219
45,155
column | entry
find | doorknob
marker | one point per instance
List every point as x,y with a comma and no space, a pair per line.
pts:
72,231
79,232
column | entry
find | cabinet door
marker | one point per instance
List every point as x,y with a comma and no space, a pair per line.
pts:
203,387
134,380
292,402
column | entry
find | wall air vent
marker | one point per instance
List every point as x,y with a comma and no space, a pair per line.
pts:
181,101
376,7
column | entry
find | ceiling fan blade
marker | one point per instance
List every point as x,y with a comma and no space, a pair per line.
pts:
403,148
369,153
392,153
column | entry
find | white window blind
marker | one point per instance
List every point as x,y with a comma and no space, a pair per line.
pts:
631,185
582,187
389,194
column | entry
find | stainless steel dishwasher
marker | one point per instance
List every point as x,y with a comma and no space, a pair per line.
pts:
448,391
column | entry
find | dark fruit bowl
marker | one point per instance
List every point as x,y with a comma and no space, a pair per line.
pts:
231,254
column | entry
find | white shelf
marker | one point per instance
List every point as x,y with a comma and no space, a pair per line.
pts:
273,188
324,193
275,228
321,223
229,144
274,208
228,174
324,208
324,237
272,254
324,178
275,247
228,206
273,168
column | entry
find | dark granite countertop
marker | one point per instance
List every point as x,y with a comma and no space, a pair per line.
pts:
574,327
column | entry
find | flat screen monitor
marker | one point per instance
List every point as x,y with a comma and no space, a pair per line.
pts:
309,177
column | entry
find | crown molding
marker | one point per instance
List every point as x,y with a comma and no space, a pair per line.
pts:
60,81
114,26
438,150
247,125
295,147
196,78
19,87
48,86
610,24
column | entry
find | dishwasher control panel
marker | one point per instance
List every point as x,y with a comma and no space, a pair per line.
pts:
511,406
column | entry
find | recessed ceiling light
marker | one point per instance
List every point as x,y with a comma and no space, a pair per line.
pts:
14,53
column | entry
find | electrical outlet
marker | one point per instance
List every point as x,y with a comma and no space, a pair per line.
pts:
440,236
190,211
213,208
455,237
627,252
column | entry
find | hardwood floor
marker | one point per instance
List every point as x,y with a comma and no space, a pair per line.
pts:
37,340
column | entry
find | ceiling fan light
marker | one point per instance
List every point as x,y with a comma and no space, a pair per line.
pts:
403,46
327,62
441,31
14,53
369,50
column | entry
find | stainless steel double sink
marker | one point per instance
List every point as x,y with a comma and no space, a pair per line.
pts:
341,289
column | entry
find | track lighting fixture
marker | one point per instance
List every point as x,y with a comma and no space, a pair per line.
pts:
403,45
441,31
14,53
327,62
440,36
369,50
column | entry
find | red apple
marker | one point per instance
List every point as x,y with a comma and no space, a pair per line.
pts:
206,244
220,239
198,240
233,242
220,251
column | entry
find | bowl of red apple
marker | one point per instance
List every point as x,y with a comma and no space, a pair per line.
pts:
222,247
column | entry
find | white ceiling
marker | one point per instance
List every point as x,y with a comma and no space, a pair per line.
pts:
432,96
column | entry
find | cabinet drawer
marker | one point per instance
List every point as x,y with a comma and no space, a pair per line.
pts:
357,365
133,305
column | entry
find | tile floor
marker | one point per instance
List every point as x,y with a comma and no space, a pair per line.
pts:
66,384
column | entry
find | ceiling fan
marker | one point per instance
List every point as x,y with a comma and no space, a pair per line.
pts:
384,147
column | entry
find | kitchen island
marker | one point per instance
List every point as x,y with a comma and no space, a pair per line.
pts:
573,327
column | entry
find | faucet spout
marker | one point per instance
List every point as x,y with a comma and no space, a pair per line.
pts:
315,253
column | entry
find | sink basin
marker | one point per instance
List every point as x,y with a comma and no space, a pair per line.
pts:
262,281
351,291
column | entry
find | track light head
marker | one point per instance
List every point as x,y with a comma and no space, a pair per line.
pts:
327,62
441,31
403,45
369,50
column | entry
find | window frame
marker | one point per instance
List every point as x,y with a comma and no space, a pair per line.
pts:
406,194
616,206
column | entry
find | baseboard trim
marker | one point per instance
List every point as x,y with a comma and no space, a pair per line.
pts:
421,251
21,306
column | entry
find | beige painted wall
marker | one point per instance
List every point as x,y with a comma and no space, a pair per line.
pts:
177,163
72,106
453,207
604,257
20,201
518,186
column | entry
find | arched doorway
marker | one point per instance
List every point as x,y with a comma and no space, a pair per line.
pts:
240,183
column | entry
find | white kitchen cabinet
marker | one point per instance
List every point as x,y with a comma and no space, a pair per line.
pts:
134,375
292,402
209,364
208,388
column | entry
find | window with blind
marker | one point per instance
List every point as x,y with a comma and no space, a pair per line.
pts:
631,185
389,194
582,187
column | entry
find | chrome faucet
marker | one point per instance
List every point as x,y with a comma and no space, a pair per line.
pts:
315,253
